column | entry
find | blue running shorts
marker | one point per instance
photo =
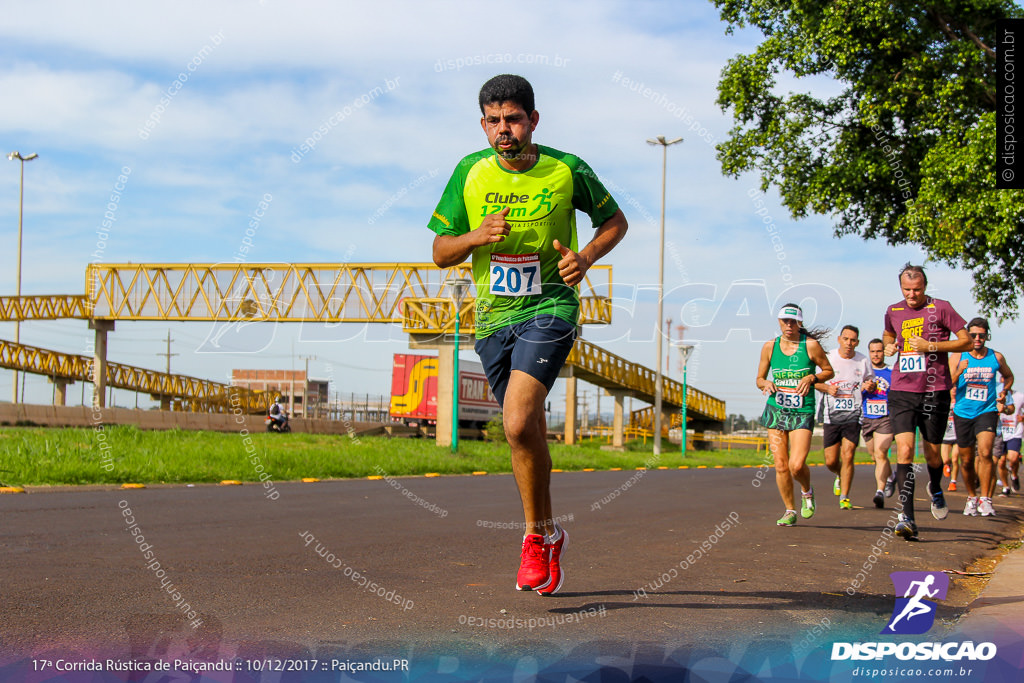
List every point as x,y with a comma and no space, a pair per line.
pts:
538,347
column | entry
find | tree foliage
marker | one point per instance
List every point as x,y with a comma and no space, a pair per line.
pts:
494,430
906,150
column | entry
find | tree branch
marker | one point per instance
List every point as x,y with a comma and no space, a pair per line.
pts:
977,41
944,26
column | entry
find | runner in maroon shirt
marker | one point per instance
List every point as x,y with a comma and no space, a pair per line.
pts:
917,332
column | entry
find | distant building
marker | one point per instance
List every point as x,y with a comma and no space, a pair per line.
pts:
305,397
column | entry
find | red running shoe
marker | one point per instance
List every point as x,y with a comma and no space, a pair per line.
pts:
533,569
555,565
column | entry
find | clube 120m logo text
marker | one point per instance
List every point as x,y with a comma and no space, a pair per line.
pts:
916,594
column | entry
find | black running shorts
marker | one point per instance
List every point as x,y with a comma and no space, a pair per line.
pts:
928,412
835,434
968,428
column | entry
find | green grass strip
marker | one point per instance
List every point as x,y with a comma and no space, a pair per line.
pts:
119,454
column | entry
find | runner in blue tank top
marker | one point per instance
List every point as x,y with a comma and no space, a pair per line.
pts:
976,416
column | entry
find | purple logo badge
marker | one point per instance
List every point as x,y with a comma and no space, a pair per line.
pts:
916,593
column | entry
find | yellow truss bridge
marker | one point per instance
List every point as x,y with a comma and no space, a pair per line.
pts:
309,292
605,369
178,391
411,294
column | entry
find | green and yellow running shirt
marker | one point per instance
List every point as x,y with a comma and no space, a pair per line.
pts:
786,373
517,279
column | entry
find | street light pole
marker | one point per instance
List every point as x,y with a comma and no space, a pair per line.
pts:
660,140
21,214
684,350
305,389
460,286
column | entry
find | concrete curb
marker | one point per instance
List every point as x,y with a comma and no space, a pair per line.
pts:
1002,600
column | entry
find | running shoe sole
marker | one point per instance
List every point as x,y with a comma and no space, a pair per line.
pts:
788,519
906,530
835,487
526,588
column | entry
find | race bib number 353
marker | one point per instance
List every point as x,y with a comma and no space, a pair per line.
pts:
515,274
786,399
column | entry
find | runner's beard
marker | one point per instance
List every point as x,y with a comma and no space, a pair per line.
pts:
513,152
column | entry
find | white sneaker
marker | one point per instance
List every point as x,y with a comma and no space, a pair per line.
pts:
985,507
971,509
939,508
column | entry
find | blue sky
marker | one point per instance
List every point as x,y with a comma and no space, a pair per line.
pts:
85,84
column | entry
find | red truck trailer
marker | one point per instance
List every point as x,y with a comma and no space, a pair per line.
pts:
414,392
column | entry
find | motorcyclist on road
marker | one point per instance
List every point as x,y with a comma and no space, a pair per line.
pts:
278,413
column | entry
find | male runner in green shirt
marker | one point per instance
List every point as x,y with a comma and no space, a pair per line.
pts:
513,208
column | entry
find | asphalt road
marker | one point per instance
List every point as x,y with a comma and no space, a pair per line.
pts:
677,561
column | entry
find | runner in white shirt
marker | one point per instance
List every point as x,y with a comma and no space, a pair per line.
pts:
1011,421
841,408
950,453
948,450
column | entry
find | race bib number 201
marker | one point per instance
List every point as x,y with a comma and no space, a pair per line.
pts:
515,274
911,362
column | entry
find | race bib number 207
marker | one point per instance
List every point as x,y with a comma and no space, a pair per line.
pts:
515,274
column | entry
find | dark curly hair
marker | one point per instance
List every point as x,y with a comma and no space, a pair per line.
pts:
507,88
